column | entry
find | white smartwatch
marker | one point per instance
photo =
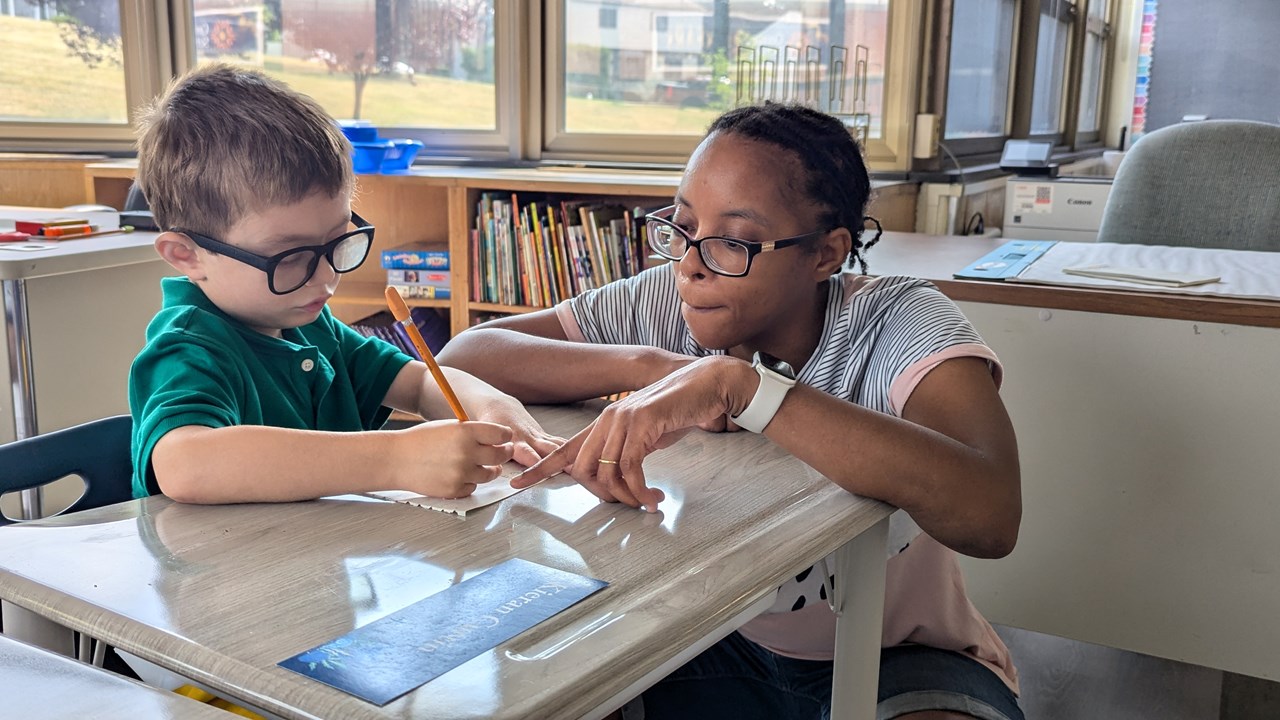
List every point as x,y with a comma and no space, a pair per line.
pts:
776,378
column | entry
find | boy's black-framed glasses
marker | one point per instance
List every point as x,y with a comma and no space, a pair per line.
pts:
722,255
291,269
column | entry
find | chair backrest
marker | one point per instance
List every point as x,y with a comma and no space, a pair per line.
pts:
1205,184
97,451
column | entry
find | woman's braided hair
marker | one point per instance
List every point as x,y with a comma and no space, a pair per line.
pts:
836,177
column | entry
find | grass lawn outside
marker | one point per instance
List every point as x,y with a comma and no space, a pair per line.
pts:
41,80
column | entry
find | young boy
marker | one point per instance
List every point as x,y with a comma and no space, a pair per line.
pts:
248,389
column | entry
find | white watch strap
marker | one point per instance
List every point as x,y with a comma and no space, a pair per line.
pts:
765,404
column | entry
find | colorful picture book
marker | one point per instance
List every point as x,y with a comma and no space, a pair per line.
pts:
415,256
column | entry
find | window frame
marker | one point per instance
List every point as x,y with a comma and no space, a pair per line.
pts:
504,142
555,144
148,65
1063,12
981,146
529,37
1104,28
1069,138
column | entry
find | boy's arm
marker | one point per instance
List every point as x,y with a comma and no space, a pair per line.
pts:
255,463
530,357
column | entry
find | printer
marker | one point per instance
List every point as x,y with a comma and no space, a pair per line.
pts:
1040,204
1061,208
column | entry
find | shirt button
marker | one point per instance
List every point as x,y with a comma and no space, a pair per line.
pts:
308,364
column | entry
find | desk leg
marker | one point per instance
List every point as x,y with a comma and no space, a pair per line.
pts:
22,381
859,604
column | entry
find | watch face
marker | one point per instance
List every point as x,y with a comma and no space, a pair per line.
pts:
776,365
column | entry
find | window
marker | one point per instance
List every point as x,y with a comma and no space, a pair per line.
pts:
81,75
1052,40
391,63
981,55
626,90
386,62
1021,69
1097,31
74,69
573,80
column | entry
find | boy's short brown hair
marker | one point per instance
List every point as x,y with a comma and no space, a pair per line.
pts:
223,141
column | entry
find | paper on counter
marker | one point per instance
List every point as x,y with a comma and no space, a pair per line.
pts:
1146,276
1251,274
486,494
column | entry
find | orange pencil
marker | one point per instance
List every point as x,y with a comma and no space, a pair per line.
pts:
401,313
62,231
95,233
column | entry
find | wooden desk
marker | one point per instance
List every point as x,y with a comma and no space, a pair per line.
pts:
1147,429
82,320
223,593
36,684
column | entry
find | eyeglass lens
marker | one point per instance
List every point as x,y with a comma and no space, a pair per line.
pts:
721,255
295,269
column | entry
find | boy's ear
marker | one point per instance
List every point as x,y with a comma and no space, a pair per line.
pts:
832,251
179,251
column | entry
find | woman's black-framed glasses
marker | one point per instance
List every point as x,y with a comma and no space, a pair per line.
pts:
722,255
291,269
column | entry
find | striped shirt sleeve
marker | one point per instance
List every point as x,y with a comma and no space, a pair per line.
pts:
640,310
919,323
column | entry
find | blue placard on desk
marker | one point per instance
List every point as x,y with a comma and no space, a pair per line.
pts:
1006,261
395,654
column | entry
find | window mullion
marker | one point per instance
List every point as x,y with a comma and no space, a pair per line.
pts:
1024,67
1075,75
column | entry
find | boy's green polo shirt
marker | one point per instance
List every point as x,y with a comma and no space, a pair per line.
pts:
202,367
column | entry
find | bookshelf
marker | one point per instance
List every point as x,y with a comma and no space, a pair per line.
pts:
437,205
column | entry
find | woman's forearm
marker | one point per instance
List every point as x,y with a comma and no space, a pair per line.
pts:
541,370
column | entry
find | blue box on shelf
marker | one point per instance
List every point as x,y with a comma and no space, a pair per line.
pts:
368,156
401,154
358,130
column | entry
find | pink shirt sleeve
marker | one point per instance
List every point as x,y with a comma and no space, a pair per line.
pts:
906,383
564,311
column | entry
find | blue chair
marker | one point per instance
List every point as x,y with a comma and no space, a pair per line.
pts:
97,451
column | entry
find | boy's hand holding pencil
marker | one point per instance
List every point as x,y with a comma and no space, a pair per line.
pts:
532,443
459,456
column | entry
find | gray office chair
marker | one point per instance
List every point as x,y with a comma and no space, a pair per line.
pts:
98,452
1206,184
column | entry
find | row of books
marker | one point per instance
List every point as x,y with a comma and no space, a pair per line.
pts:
542,252
434,329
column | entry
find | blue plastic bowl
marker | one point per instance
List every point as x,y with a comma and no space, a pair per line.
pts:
359,130
401,155
368,156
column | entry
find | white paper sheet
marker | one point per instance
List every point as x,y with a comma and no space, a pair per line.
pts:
486,494
1243,273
